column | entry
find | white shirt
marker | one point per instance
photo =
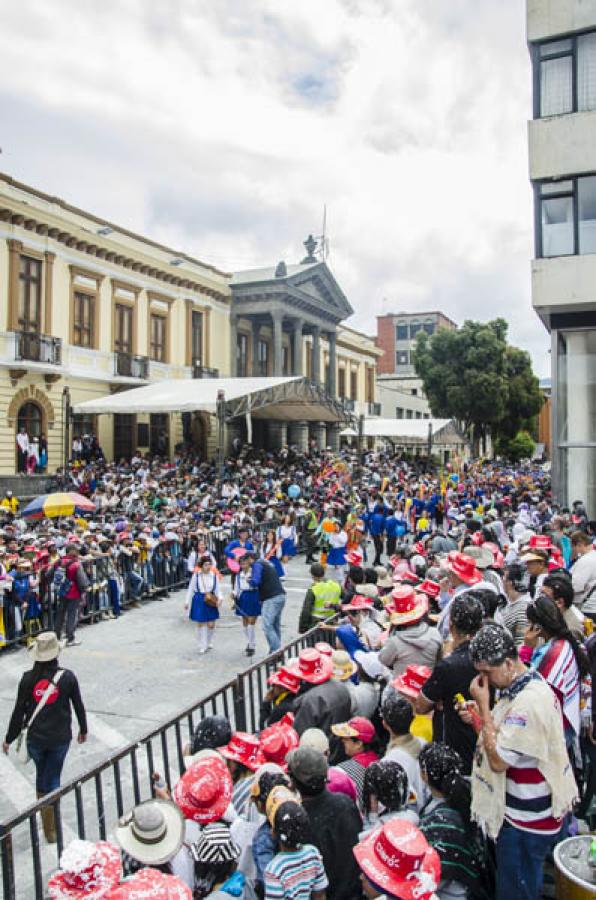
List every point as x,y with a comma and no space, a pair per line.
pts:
583,576
23,442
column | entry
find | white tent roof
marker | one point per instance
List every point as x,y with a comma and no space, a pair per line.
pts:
409,429
289,398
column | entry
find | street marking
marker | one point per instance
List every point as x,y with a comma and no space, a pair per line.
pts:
21,793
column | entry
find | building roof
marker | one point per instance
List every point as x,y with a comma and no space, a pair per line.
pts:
267,273
416,429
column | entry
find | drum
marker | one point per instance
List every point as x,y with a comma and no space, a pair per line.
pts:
575,877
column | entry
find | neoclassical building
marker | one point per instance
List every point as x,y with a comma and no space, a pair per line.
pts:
87,308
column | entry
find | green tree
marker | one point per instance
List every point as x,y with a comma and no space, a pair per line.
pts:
521,446
474,376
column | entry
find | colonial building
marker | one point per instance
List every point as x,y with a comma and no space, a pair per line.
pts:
88,308
562,150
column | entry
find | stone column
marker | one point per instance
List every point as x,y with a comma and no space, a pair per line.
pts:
278,435
277,319
233,345
333,436
298,436
297,347
319,433
332,385
316,355
255,347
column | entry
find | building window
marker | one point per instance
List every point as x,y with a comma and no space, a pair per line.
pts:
123,328
262,357
565,76
29,311
409,414
399,413
196,338
157,337
414,392
83,320
242,355
353,384
83,424
402,358
426,416
341,383
370,385
401,332
418,415
566,217
415,327
429,327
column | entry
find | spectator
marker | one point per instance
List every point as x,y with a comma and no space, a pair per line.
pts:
72,583
583,573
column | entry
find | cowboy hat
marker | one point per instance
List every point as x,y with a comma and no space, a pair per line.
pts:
312,666
205,791
151,883
277,741
245,749
152,832
463,567
406,606
45,647
482,556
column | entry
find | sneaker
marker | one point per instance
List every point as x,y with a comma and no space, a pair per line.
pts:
210,647
73,643
202,650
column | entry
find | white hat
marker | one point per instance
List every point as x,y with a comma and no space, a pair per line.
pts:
152,832
370,663
315,739
45,647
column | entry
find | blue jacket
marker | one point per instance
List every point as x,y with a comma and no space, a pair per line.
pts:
391,526
236,543
376,522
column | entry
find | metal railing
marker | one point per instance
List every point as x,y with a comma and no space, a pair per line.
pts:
89,806
199,371
30,345
130,365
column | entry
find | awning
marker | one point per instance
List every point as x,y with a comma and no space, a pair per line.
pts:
283,398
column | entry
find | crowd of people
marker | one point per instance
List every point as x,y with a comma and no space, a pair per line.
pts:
438,739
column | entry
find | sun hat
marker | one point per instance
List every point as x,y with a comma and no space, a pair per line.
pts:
285,678
151,832
86,870
482,556
358,727
278,795
406,576
384,579
411,681
430,588
276,742
540,542
343,666
205,791
216,845
358,603
150,884
463,567
308,767
312,666
406,606
535,556
45,647
369,662
399,862
243,748
316,739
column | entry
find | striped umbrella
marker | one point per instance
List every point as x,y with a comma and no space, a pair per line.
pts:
51,506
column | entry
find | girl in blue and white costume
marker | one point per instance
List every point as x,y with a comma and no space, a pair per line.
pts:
204,581
336,558
272,552
286,533
247,603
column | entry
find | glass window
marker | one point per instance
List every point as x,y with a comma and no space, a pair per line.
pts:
586,191
353,385
414,392
341,383
415,327
401,332
401,358
197,338
242,355
262,358
29,418
418,415
409,414
553,47
83,424
429,327
157,345
29,294
557,226
556,86
586,71
399,413
123,328
83,319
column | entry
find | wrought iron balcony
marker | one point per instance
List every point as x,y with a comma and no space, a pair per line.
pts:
348,404
373,409
199,371
131,366
39,348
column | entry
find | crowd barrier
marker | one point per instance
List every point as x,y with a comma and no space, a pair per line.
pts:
115,584
89,806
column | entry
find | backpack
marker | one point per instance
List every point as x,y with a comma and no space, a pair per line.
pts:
62,583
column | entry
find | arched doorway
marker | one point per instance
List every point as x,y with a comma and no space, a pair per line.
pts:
30,418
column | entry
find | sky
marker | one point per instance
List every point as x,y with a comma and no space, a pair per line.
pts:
224,127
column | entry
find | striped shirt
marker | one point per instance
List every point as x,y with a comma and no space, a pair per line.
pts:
527,795
514,618
241,794
295,875
558,666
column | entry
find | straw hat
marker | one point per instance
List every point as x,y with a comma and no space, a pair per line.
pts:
152,832
45,647
406,606
343,665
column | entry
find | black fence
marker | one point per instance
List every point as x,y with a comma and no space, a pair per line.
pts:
89,806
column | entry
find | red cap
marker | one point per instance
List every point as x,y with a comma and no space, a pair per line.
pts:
430,588
358,727
412,680
540,542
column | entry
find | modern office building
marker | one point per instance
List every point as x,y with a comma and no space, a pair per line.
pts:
562,156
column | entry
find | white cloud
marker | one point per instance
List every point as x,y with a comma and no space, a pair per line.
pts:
222,126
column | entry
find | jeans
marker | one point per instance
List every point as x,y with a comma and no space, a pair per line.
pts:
520,863
48,765
69,610
271,611
135,584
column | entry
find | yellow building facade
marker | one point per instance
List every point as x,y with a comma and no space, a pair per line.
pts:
88,308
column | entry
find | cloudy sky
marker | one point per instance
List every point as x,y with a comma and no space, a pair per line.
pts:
222,127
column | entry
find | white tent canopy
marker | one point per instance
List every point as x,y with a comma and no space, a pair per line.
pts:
288,398
406,429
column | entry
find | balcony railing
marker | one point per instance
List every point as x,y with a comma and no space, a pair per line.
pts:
199,371
131,366
348,404
373,409
38,347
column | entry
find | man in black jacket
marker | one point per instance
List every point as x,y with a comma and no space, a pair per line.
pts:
335,822
272,597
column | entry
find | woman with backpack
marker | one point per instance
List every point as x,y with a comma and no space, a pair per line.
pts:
43,707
